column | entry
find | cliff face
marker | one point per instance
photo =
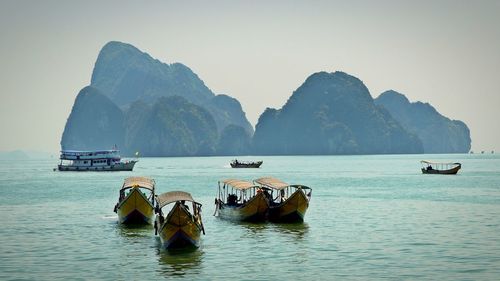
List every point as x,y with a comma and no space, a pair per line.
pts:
125,75
141,104
331,113
172,126
95,122
438,133
234,140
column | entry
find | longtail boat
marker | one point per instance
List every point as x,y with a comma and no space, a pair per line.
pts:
440,168
289,203
241,200
180,228
244,164
136,202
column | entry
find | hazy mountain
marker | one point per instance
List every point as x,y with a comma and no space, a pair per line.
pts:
125,75
234,140
172,126
437,133
331,113
95,122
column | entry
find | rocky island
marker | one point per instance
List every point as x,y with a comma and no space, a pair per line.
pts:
143,105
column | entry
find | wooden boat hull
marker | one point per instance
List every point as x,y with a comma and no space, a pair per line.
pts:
452,171
246,165
125,166
255,210
135,208
291,210
180,229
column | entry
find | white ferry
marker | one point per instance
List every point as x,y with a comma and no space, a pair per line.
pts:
103,160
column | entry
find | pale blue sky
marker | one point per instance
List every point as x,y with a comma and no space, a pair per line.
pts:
443,52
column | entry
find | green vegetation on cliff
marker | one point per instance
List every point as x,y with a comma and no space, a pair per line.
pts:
438,133
331,113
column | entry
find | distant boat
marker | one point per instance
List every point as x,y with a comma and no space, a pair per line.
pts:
290,202
136,202
180,227
101,160
239,164
440,168
240,200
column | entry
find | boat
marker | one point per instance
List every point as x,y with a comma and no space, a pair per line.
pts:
440,168
245,164
240,200
180,227
100,160
289,203
136,202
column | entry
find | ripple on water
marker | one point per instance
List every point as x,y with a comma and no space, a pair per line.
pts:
371,217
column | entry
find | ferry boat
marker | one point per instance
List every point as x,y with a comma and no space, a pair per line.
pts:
102,160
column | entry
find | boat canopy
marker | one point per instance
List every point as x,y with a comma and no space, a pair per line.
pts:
88,152
238,184
272,183
139,181
277,184
174,196
439,163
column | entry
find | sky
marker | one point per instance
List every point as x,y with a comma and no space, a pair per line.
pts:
446,53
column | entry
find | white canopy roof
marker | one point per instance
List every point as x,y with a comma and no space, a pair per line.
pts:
139,181
174,196
272,183
238,184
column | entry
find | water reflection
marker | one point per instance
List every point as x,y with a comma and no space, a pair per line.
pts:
295,230
254,227
134,231
255,230
182,261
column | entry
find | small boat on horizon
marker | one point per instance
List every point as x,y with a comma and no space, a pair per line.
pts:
240,200
290,202
440,168
180,227
136,202
99,160
245,164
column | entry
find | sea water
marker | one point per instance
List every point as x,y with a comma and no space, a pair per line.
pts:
370,218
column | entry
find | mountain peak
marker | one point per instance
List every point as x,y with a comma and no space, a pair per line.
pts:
337,76
331,113
438,133
394,96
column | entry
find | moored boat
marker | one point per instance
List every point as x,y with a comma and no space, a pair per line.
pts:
440,168
100,160
289,203
240,200
180,227
136,202
245,164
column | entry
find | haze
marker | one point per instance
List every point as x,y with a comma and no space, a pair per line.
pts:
442,52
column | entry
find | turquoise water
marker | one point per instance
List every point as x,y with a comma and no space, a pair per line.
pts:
371,217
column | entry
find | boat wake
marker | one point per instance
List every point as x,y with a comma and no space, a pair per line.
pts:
109,217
